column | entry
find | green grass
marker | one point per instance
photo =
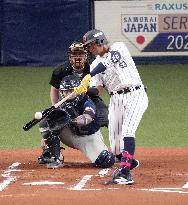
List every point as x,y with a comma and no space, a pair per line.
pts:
23,91
165,123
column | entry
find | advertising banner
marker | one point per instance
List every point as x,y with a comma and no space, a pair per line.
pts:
149,28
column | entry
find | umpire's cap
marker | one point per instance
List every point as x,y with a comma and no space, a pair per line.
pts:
96,36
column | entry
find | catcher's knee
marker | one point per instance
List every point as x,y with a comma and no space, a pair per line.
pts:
105,159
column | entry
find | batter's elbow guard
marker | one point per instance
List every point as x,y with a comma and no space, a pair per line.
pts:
105,159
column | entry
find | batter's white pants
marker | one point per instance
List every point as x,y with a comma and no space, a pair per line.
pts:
125,114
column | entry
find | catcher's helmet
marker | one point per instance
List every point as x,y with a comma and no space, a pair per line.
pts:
96,36
69,82
77,56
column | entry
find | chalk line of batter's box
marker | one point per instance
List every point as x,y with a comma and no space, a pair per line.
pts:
170,190
7,174
86,178
43,183
180,190
17,195
82,183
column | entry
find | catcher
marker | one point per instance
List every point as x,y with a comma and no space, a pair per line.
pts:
76,126
78,62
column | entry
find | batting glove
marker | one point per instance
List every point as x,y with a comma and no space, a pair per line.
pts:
82,88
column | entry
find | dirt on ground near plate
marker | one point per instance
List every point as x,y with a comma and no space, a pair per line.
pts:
161,179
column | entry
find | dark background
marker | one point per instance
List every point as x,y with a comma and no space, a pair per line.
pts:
38,32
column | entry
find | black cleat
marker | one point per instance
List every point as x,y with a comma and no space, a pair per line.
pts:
47,158
55,164
120,178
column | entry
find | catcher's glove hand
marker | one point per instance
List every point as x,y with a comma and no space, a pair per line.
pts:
82,88
57,120
81,120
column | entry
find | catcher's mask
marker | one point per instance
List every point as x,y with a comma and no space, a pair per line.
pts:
67,86
77,56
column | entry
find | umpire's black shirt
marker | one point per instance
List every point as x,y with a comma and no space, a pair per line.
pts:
63,70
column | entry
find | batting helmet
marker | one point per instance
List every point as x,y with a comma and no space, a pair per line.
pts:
96,36
77,55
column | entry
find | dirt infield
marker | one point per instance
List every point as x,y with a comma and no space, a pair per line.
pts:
161,179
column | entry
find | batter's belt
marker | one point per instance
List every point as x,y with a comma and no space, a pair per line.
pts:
126,90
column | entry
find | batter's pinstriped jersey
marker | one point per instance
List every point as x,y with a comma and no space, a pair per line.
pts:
120,72
125,108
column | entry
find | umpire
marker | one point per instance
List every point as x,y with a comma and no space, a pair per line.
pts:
77,63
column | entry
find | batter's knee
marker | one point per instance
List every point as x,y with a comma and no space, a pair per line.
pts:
105,159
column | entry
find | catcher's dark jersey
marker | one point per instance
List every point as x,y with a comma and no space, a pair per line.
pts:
66,69
84,106
88,107
63,70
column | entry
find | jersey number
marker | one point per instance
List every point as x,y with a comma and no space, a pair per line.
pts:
122,64
116,57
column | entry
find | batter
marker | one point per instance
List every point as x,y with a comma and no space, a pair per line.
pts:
115,70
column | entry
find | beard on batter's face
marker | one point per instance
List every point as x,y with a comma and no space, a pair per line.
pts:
97,49
105,49
92,48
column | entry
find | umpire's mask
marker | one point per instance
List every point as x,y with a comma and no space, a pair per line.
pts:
77,56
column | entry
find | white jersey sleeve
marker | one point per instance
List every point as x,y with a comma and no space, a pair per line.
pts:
120,72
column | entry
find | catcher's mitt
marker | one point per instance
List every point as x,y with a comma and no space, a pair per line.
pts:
57,120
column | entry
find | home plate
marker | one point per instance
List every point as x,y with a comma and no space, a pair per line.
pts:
44,183
185,186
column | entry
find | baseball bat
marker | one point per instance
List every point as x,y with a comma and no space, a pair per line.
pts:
46,112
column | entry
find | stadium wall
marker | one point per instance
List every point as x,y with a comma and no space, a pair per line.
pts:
38,32
155,31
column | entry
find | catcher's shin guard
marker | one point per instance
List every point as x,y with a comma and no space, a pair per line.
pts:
52,148
53,143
